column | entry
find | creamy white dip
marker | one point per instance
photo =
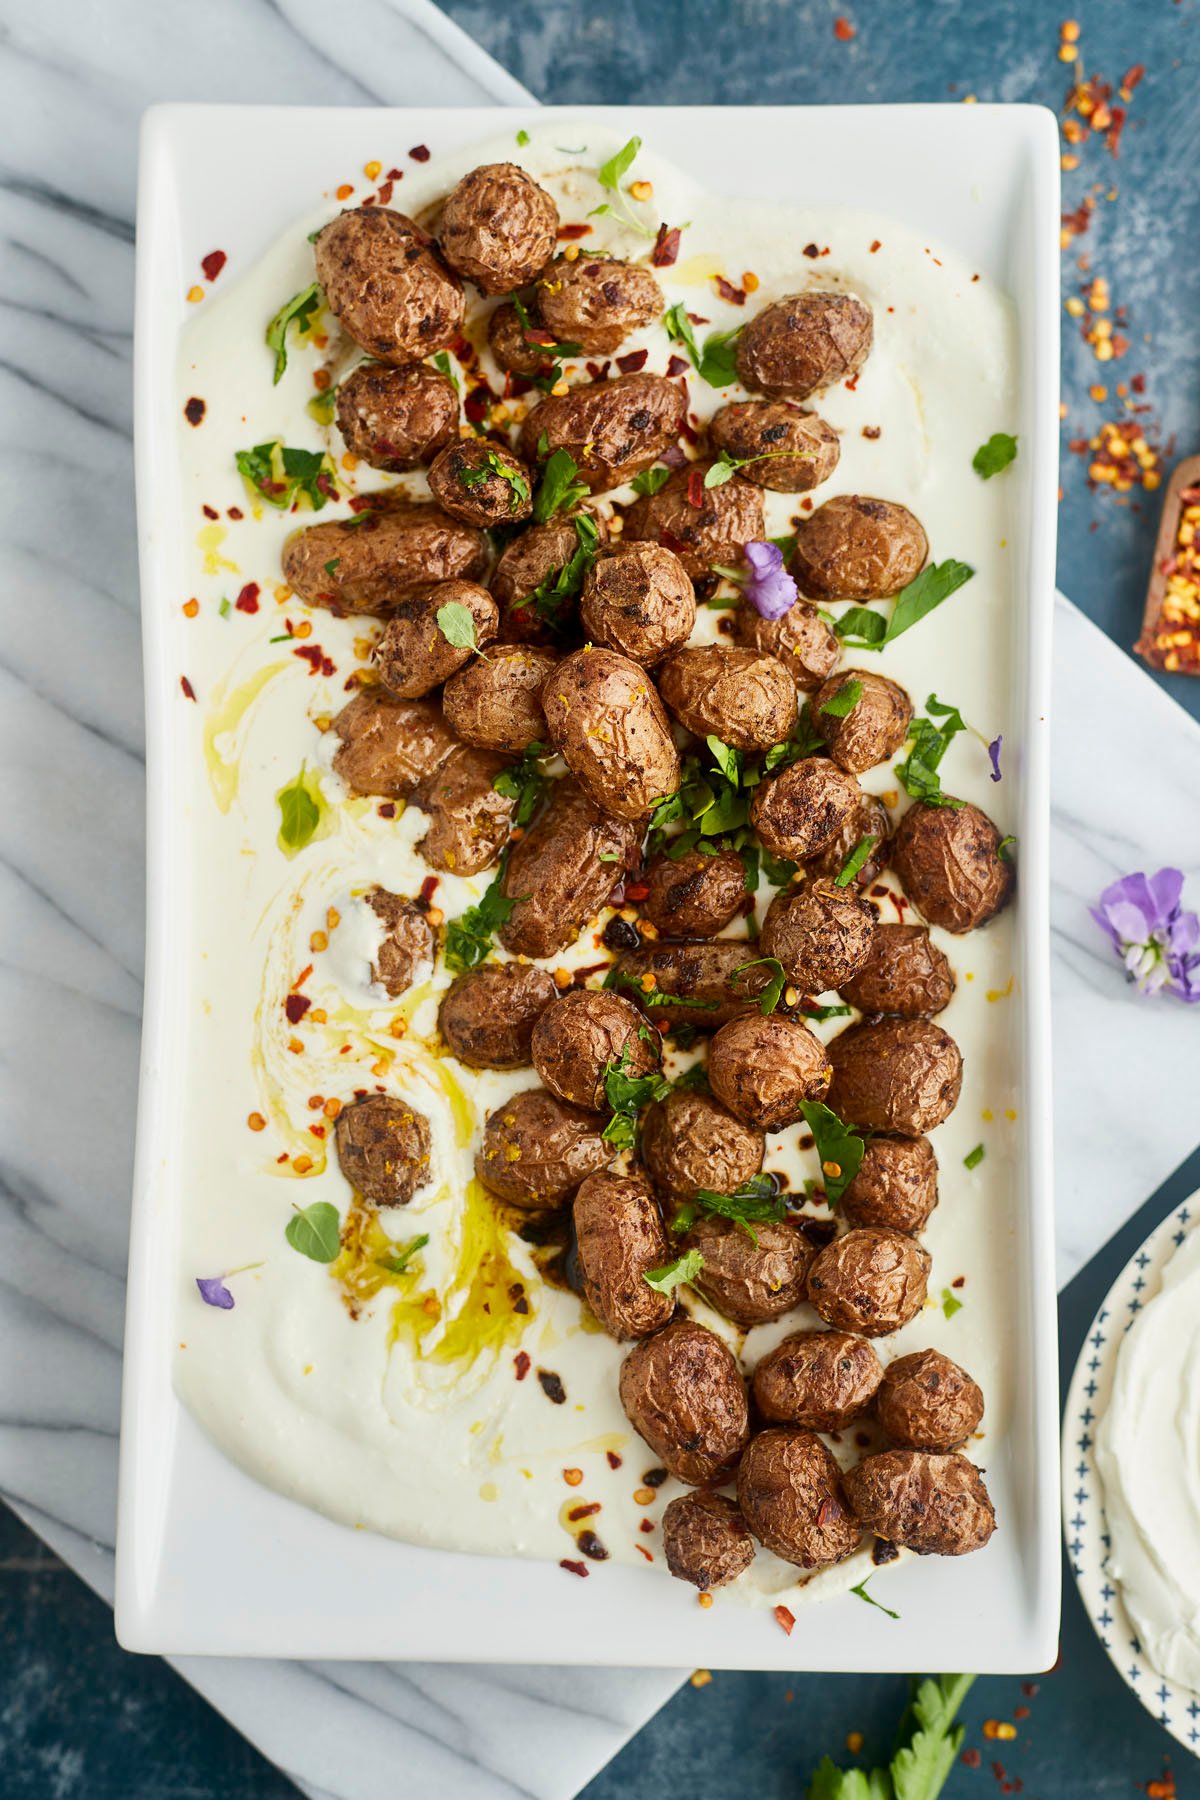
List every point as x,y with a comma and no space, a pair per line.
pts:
393,1403
1148,1454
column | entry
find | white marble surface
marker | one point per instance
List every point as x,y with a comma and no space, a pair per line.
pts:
71,873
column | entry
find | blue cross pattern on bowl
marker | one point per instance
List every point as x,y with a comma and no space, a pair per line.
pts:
1084,1524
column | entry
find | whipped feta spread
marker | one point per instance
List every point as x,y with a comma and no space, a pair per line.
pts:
417,1404
1148,1454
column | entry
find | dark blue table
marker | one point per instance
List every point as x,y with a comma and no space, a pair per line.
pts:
81,1721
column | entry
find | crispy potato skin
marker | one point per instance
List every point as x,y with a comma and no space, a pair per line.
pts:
596,302
858,548
538,551
383,1149
820,932
873,730
903,973
694,895
469,820
705,1540
620,1234
555,874
389,746
948,858
495,702
896,1185
638,599
935,1505
613,429
487,1016
799,811
821,1380
762,1068
385,285
690,1141
719,690
604,714
869,1281
794,450
694,984
580,1034
868,817
498,227
895,1075
801,640
466,479
370,563
701,525
536,1150
409,942
790,1492
926,1402
683,1392
397,418
751,1283
804,343
413,655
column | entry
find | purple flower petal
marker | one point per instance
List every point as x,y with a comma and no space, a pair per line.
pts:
1157,941
213,1291
769,588
994,756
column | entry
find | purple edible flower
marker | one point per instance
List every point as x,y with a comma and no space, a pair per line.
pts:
769,588
213,1291
1158,942
993,751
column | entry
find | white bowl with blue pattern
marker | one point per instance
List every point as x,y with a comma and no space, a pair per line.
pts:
1176,1708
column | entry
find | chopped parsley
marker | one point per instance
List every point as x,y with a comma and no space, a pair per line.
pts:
950,1303
323,405
397,1263
842,702
928,743
522,137
673,1274
755,1202
626,1095
653,996
855,861
772,994
563,583
839,1148
863,629
300,311
717,362
558,489
974,1157
860,1593
726,466
444,366
650,481
523,782
539,340
494,464
469,938
995,455
278,474
1005,848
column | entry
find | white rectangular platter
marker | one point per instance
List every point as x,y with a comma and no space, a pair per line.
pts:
209,1561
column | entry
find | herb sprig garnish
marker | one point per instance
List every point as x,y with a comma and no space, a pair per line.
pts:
277,473
990,458
300,311
772,994
539,339
929,1741
754,1202
928,744
469,938
398,1259
559,490
609,176
299,812
627,1095
727,466
860,1593
839,1148
562,584
674,1274
863,629
494,464
717,362
855,861
524,783
654,996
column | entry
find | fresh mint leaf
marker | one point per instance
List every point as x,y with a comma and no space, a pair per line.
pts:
839,1148
996,454
562,584
315,1231
854,862
727,760
718,360
307,472
866,630
679,329
627,1095
861,628
299,813
456,623
929,741
674,1274
299,312
842,702
558,490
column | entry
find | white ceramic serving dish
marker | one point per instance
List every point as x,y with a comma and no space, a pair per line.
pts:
208,1561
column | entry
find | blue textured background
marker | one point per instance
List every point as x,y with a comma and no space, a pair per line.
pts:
81,1721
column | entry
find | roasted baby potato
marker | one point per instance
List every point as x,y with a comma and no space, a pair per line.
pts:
613,429
874,727
801,640
386,286
487,1016
408,941
690,1141
383,1148
856,548
870,1281
414,655
683,1392
389,746
903,973
562,872
705,1540
520,348
820,932
822,1380
762,1068
698,985
779,444
948,858
369,563
481,483
693,895
935,1505
531,562
620,1234
469,818
799,811
536,1150
498,227
496,701
926,1402
596,302
744,699
580,1036
867,818
638,599
604,714
895,1075
748,1279
803,344
703,526
397,417
896,1185
790,1492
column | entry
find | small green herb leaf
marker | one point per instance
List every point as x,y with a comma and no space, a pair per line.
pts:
524,783
727,759
522,138
843,701
609,174
861,1593
996,454
974,1157
456,623
299,312
397,1262
673,1274
867,630
299,813
444,366
854,861
627,1095
754,1202
650,481
1005,848
558,490
928,743
950,1303
773,992
307,472
315,1231
469,938
839,1148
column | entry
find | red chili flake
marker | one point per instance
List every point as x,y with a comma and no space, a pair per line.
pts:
852,383
1020,1712
210,512
871,431
642,1550
522,1364
1030,1689
959,1281
367,502
387,809
999,1771
189,692
636,359
318,1131
666,246
678,365
876,246
784,1619
573,1568
669,541
583,1512
477,404
637,890
736,296
247,600
1131,77
1112,136
420,153
195,410
213,263
843,30
1075,223
394,175
234,512
695,488
970,1759
646,1525
614,1461
295,1006
570,233
810,250
598,371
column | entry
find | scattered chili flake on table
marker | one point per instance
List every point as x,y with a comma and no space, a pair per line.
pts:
1122,458
213,263
843,30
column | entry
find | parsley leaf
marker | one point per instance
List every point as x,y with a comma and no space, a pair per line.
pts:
929,1742
717,362
322,406
299,312
563,583
307,472
861,1593
522,137
650,480
456,623
839,1148
1005,848
772,994
398,1261
315,1231
469,938
494,464
725,466
754,1202
842,702
854,861
539,339
672,1274
950,1303
558,490
627,1094
524,783
655,996
863,629
996,454
444,366
928,743
299,813
804,741
974,1157
609,174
